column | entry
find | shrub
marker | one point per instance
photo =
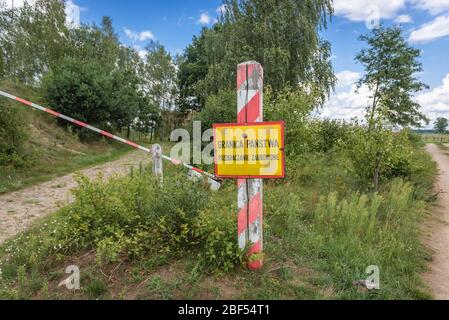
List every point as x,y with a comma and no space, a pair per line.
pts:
12,137
81,91
134,217
293,107
94,93
378,155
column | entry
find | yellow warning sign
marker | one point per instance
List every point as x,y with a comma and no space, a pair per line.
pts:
250,151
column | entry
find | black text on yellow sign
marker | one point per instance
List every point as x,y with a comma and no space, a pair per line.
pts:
250,151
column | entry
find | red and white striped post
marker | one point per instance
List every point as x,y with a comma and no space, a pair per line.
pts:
250,191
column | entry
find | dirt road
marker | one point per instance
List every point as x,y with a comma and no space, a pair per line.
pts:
438,239
19,209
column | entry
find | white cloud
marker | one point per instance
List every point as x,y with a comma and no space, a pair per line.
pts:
361,10
204,19
403,18
346,103
435,103
433,30
347,78
139,36
432,6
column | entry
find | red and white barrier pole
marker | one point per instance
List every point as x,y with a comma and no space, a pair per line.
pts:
212,179
250,191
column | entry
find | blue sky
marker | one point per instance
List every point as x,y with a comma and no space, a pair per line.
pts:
425,22
172,22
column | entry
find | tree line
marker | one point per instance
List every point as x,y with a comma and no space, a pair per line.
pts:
85,71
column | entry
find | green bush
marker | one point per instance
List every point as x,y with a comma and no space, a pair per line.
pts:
12,137
94,93
134,217
379,152
293,107
82,91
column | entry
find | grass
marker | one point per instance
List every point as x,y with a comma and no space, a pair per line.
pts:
56,164
321,233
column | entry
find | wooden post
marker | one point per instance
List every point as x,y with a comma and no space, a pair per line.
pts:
158,168
250,191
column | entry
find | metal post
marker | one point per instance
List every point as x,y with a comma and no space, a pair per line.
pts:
250,191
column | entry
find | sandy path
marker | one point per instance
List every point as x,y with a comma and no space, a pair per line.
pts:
19,209
438,276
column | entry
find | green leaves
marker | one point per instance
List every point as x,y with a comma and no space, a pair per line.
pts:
378,155
281,35
441,125
391,66
33,39
12,136
134,217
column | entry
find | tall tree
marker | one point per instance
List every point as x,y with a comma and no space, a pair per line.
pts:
283,35
33,39
193,67
441,125
99,81
160,74
391,66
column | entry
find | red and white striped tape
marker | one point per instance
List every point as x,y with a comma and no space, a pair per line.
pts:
250,191
104,133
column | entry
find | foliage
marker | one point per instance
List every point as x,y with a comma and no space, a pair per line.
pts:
378,155
192,68
340,228
304,134
364,230
12,136
441,125
159,86
220,108
390,67
160,76
281,35
33,39
87,66
145,221
95,92
81,90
